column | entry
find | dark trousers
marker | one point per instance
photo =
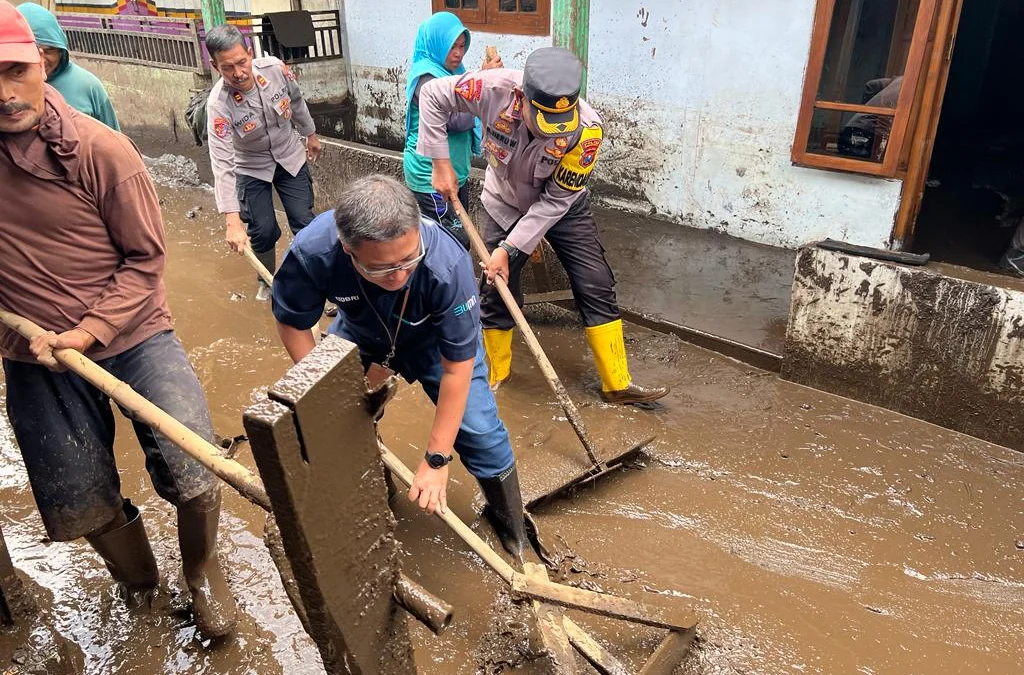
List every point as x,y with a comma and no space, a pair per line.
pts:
442,213
256,200
65,430
576,242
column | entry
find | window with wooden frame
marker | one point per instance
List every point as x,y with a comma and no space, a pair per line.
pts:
519,17
862,78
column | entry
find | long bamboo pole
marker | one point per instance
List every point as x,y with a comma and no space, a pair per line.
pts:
194,445
548,370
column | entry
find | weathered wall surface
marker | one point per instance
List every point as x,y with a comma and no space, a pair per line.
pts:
150,102
944,349
700,100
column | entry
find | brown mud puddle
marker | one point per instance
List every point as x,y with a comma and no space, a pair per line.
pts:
814,534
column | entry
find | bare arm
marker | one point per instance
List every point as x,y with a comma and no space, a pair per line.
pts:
429,487
296,342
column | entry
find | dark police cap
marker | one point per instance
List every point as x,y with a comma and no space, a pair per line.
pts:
551,82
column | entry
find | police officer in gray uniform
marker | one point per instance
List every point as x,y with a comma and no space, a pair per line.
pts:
255,118
541,141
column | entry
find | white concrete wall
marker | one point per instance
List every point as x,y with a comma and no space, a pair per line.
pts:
919,340
700,99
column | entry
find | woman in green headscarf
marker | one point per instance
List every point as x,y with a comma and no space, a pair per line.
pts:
441,43
81,89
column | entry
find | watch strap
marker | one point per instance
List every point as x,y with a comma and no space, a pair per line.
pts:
512,251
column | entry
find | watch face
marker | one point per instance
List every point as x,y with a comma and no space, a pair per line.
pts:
436,460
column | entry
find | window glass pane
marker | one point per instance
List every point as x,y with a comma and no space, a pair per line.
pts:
507,5
470,4
527,5
854,135
868,41
453,4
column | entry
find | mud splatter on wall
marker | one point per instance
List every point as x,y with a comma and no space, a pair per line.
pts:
700,101
945,349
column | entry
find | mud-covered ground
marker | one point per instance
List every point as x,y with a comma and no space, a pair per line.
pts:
812,533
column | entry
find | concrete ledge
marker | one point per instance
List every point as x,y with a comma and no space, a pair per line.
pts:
912,339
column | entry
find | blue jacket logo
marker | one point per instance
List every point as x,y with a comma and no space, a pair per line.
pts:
465,307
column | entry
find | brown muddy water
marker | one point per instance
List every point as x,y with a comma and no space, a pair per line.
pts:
813,534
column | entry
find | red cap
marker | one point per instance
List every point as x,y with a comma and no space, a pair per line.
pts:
16,40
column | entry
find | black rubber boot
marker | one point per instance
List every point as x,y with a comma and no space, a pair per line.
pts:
505,510
212,602
269,260
127,552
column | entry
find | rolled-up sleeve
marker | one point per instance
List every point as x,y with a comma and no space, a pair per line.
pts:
297,299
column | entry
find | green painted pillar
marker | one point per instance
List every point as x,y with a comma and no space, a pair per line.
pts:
213,13
571,29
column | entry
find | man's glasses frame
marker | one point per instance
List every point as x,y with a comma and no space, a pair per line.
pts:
377,274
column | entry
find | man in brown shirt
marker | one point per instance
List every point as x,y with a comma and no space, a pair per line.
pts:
82,248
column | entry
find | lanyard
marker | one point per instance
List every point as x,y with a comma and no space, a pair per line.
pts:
398,327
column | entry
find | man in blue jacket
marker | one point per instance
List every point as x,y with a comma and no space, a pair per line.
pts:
81,89
407,296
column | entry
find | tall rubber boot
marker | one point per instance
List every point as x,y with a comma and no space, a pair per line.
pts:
505,510
127,552
609,348
269,260
212,602
498,347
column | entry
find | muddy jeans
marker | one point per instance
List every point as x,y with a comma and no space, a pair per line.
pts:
482,442
256,201
65,429
577,244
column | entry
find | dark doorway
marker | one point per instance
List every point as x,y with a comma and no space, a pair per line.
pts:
974,198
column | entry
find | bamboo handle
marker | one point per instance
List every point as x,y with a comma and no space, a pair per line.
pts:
261,269
268,279
479,546
548,370
195,446
579,638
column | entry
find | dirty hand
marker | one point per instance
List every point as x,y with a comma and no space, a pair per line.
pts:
498,265
312,148
491,58
429,487
443,179
235,235
42,346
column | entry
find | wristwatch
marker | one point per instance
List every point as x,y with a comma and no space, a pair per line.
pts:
436,460
512,251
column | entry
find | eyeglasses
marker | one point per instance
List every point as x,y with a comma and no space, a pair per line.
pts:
376,274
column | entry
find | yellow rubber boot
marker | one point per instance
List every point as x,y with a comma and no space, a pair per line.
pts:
498,346
617,386
609,348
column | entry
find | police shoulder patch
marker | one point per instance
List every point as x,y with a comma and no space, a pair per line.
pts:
573,172
470,89
221,127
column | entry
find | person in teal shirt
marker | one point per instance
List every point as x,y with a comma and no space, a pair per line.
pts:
81,89
441,44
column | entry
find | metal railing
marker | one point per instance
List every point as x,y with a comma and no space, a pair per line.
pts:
326,39
178,44
149,41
